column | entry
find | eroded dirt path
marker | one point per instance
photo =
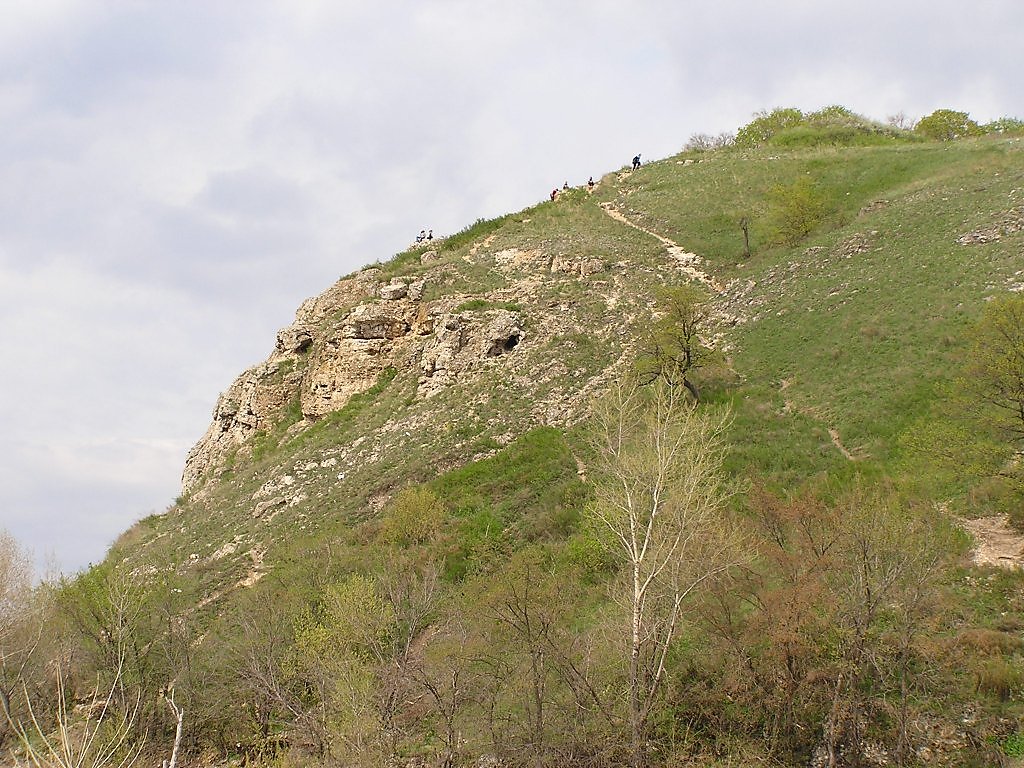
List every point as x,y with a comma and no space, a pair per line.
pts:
833,433
996,543
686,260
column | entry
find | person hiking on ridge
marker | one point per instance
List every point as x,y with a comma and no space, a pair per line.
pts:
590,183
421,236
554,194
636,161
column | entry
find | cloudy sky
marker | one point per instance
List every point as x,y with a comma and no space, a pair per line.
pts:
177,176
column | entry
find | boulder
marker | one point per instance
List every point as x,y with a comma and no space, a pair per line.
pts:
394,291
369,321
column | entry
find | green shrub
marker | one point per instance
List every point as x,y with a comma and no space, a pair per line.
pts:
765,125
947,125
1009,126
415,516
1013,745
795,210
833,125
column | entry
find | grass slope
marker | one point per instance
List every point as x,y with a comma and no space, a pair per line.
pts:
852,336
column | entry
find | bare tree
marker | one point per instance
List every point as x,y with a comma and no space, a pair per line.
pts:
412,590
901,120
661,495
443,677
103,738
21,625
888,561
745,226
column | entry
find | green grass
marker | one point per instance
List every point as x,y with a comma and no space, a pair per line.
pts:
854,332
348,413
867,338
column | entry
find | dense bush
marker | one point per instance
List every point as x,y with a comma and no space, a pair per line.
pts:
795,210
833,125
1010,126
946,125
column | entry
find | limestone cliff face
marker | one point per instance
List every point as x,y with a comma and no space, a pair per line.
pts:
340,344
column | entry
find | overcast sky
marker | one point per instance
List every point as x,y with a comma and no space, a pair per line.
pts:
178,176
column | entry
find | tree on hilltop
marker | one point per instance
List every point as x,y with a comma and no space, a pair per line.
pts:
765,125
1005,126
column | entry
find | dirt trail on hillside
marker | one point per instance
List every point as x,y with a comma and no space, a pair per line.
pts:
686,260
996,543
833,433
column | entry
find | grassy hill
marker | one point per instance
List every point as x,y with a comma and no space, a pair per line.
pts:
419,577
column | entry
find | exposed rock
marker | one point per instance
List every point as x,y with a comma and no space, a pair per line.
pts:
295,339
577,266
393,291
250,404
373,321
416,289
875,205
438,357
342,367
502,334
428,256
462,342
856,244
1007,223
343,294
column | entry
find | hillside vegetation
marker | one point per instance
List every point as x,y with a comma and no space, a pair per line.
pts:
470,511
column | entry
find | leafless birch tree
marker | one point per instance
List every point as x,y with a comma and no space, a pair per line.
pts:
661,494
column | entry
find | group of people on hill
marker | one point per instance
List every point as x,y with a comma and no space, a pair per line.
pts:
590,181
425,236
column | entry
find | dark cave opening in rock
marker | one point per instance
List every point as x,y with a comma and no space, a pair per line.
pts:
500,347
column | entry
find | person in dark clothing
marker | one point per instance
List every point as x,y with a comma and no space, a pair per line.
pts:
590,183
636,162
430,235
554,194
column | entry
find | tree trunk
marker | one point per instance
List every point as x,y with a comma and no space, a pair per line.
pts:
692,388
636,726
179,713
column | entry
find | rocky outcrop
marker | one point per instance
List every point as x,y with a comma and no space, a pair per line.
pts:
1007,223
340,344
249,405
463,341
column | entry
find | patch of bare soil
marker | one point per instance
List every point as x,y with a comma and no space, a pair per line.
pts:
996,543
